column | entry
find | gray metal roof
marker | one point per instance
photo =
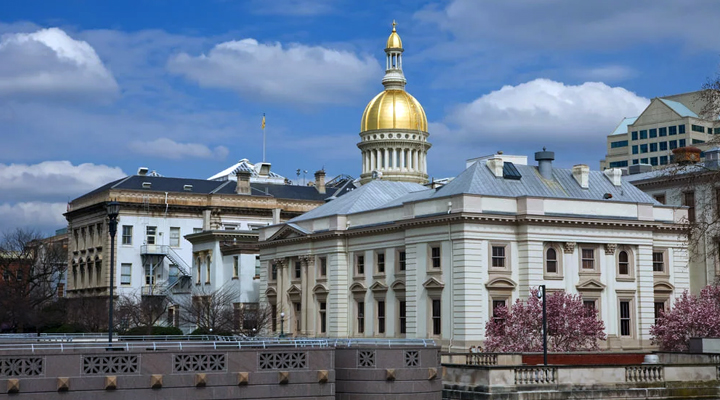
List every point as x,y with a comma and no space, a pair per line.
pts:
679,108
622,128
373,195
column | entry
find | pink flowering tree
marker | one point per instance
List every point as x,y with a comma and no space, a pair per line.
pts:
690,316
571,325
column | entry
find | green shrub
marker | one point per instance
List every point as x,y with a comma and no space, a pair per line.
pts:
155,330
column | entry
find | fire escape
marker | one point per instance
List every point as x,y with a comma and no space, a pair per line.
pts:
178,279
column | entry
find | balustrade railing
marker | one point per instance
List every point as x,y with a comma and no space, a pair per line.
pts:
539,375
644,373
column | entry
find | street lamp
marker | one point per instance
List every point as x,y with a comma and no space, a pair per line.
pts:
113,209
282,323
541,294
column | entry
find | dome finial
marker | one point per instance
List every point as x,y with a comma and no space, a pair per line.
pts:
394,23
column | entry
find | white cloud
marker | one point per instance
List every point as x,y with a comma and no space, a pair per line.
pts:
302,8
49,62
288,74
572,119
52,180
168,148
43,216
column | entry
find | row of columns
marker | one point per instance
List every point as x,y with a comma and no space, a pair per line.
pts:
394,60
285,276
403,159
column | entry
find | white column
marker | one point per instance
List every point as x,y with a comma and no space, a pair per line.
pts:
415,160
394,158
402,159
386,159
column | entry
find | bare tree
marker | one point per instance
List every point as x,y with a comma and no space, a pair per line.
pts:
135,310
88,313
210,311
30,271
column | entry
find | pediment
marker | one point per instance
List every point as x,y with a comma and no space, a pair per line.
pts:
501,283
271,292
294,289
398,285
590,285
663,287
378,286
433,284
320,289
287,232
358,287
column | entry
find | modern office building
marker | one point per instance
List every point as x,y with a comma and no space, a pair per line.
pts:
666,124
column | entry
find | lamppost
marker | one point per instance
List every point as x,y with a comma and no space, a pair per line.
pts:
282,323
113,209
541,294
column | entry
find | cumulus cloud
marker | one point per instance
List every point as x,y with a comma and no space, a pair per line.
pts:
42,216
524,118
289,74
168,148
52,180
48,62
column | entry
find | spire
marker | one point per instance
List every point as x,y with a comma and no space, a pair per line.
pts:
394,77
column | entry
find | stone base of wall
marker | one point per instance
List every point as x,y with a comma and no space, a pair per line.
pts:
687,390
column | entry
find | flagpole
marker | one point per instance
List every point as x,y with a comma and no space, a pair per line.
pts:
263,128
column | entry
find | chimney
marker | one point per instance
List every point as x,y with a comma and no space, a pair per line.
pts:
243,182
276,215
581,173
614,175
320,181
142,171
263,169
545,159
496,166
712,158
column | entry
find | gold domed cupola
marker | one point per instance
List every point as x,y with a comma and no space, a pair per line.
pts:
393,128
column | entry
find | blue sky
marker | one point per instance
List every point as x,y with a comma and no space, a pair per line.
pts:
91,90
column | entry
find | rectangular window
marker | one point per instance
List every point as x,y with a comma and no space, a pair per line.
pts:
323,266
689,201
257,267
498,256
663,160
620,143
697,141
435,256
697,128
236,266
273,272
653,133
402,313
643,148
681,142
360,317
150,232
653,147
589,306
125,274
644,161
618,164
643,134
635,149
673,144
658,261
401,260
496,304
360,265
436,317
681,129
625,319
634,135
298,269
588,258
273,316
323,317
381,316
659,309
672,130
174,237
653,161
662,132
636,161
663,146
197,230
660,198
127,234
381,263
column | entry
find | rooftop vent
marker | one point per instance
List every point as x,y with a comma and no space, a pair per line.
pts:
187,188
581,173
639,168
146,185
142,171
545,159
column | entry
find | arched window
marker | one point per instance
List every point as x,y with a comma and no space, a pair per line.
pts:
623,263
551,263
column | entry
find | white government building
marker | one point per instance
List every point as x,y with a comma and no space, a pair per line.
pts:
396,258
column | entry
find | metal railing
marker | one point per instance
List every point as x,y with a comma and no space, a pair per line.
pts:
355,342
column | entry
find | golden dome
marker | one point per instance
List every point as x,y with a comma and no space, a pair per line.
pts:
394,109
394,41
